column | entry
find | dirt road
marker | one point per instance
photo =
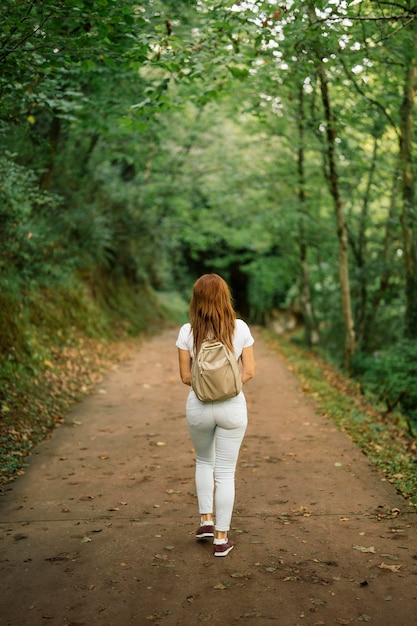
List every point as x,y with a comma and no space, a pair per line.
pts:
100,529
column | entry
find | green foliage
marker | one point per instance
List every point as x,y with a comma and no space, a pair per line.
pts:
11,336
174,306
390,375
268,286
131,310
32,241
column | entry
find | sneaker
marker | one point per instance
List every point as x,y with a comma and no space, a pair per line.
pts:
205,531
223,549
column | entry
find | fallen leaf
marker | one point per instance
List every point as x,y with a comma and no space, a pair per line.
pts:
391,557
363,549
391,568
85,540
220,586
161,443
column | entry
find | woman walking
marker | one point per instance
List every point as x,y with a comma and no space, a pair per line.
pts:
216,428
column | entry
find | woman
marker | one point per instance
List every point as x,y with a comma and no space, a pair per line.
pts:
216,428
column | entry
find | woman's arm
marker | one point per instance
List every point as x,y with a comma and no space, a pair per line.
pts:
248,364
185,366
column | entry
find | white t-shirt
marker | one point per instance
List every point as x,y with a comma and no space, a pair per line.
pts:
242,338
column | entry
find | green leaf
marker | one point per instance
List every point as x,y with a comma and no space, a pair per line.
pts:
238,72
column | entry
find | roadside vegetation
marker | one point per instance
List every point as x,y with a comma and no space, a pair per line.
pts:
383,436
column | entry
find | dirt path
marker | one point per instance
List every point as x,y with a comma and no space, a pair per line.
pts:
100,529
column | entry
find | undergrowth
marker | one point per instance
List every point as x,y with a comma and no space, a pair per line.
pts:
384,439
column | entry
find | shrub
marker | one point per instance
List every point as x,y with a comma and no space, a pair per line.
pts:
391,376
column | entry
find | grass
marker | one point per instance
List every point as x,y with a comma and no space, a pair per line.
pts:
385,440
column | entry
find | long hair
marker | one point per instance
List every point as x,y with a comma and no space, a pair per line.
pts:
212,315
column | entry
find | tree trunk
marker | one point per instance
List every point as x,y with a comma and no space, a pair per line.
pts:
54,133
311,334
342,233
408,216
334,187
362,250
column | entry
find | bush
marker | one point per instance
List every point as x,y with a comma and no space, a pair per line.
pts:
391,376
33,247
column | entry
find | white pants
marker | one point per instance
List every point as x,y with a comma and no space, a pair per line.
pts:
216,430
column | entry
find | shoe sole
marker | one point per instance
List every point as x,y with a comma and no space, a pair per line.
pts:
225,552
205,536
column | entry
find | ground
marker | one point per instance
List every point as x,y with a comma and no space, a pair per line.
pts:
100,528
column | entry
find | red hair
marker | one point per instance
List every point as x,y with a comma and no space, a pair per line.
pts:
212,315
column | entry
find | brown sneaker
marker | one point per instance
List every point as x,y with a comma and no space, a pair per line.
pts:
205,531
223,549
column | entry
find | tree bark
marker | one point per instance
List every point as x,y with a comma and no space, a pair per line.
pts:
408,215
342,234
362,252
334,188
311,334
54,134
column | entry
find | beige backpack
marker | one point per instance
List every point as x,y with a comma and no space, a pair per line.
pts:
215,373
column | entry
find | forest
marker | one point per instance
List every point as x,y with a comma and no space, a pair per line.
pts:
144,144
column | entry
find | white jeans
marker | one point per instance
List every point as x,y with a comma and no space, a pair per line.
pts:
216,430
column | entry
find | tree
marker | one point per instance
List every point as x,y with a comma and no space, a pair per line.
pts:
409,209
